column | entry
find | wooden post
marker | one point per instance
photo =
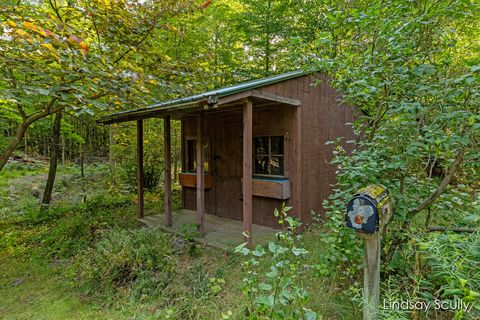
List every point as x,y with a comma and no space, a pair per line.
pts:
200,178
167,172
297,164
371,276
247,169
140,168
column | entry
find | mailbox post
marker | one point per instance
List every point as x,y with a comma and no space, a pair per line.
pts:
368,213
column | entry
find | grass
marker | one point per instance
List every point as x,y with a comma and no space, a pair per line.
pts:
37,250
36,289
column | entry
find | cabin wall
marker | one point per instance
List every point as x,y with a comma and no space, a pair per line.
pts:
324,118
224,130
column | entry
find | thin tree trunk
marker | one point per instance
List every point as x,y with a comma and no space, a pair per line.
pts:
63,149
26,145
112,152
82,172
397,240
54,151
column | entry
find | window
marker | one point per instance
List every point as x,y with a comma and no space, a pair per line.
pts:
191,155
269,156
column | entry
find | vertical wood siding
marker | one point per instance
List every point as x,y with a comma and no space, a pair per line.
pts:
323,119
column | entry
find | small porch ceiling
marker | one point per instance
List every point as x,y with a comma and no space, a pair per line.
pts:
215,100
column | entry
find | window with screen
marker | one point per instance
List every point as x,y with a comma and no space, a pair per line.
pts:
191,155
269,156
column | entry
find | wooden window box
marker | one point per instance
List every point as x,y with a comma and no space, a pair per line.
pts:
271,188
189,180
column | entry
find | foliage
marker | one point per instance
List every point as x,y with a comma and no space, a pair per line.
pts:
133,262
189,232
454,262
125,153
73,57
36,253
411,68
80,225
279,292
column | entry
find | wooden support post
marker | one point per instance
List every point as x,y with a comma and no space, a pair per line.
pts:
200,177
167,172
297,164
247,169
371,276
140,168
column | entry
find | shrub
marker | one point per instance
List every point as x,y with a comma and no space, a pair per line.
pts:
135,263
274,275
73,228
152,174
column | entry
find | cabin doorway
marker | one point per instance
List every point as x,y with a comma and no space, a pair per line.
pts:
227,166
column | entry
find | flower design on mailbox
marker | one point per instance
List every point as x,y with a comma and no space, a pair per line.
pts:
360,213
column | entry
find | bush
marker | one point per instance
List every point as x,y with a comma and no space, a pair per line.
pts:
135,263
274,275
152,174
73,228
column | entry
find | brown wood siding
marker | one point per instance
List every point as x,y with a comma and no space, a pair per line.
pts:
323,119
225,133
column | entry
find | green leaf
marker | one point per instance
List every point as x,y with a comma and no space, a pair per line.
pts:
475,68
272,247
272,273
259,251
449,292
310,315
265,286
242,248
299,251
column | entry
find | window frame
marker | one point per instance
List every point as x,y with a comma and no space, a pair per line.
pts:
207,159
270,155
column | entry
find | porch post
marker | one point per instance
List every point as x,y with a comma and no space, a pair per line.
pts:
140,168
200,177
297,164
247,169
167,172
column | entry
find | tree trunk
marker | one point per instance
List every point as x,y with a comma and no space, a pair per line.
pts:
54,151
22,129
111,151
14,144
82,151
63,149
26,145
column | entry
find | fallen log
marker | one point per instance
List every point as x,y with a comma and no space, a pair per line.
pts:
459,230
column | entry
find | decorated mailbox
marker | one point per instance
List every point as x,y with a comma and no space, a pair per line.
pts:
367,207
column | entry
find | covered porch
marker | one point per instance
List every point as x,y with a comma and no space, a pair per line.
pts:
221,233
239,101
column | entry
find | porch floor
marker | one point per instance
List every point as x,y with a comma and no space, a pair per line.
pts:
221,233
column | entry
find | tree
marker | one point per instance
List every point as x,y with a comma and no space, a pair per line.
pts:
413,69
269,28
48,66
47,194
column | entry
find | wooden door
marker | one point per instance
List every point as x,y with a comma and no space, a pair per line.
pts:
227,166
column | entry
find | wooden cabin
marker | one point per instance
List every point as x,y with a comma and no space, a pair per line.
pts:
250,147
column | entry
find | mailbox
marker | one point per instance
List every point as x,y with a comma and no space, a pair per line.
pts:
367,207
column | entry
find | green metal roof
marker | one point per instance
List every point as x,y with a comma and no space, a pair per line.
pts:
212,95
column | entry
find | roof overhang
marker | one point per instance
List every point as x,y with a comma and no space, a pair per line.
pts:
206,104
216,100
